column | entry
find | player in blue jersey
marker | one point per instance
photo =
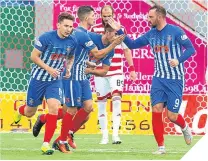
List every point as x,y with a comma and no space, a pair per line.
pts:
167,42
77,89
50,51
101,41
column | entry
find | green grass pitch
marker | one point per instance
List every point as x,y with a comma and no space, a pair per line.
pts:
23,146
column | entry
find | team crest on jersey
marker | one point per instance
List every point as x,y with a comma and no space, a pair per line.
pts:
89,43
184,37
37,42
169,37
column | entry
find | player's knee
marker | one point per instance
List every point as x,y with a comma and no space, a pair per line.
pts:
88,109
87,105
158,107
30,114
30,111
53,110
72,110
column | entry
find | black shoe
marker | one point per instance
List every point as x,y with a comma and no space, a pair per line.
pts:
37,127
67,146
55,145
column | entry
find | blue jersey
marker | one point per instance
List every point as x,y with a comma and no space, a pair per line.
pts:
166,44
54,51
97,39
84,46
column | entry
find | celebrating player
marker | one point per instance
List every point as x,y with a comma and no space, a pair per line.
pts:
112,84
48,56
77,89
167,42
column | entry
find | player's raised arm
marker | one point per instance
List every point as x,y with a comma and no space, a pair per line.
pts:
102,53
132,44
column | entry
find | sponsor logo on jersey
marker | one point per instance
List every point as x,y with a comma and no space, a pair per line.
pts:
184,37
89,43
37,42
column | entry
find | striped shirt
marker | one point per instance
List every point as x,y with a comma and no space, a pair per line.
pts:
116,67
84,46
166,44
54,51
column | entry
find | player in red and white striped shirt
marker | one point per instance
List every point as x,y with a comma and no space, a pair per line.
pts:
112,84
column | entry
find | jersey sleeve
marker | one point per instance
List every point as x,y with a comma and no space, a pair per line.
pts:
137,43
41,42
183,40
86,41
107,60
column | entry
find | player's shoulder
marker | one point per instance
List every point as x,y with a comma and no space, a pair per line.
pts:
174,28
45,37
49,33
94,35
79,33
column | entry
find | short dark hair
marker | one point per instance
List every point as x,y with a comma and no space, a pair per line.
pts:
159,9
108,28
83,11
65,15
107,6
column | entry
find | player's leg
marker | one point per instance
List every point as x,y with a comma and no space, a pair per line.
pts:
53,96
175,92
35,95
116,84
41,120
102,87
158,97
67,124
86,109
72,92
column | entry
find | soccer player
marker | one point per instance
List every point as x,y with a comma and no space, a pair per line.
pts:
77,89
101,41
167,42
111,85
48,55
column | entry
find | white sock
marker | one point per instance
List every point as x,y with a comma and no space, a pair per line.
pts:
116,114
102,116
45,143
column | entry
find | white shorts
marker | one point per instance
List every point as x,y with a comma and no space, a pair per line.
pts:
106,86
